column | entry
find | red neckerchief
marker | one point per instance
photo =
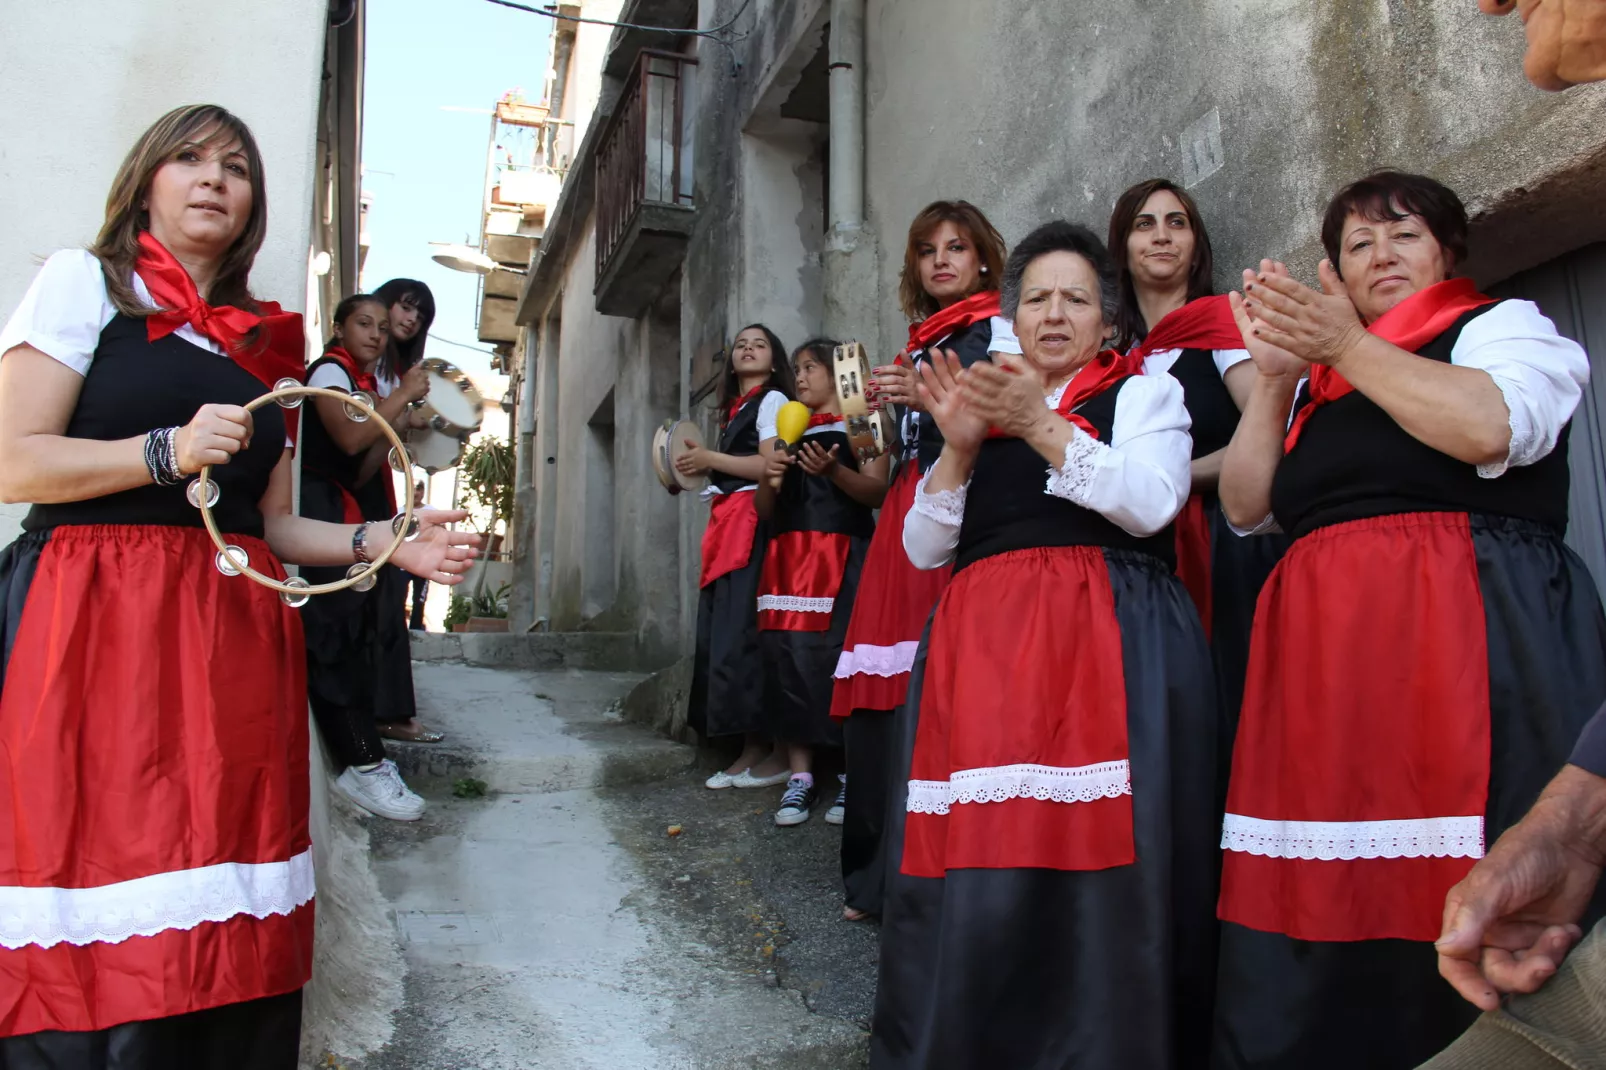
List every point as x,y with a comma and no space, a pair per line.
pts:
821,419
360,380
973,309
736,406
1090,380
1203,323
278,352
1411,324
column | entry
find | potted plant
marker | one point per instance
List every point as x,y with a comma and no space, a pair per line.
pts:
457,614
487,611
487,476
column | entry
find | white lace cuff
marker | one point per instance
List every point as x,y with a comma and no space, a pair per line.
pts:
1525,441
1330,841
946,507
1073,480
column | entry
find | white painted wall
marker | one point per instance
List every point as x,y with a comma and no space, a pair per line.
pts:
83,78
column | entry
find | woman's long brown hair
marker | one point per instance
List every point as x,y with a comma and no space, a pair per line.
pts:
117,246
1130,328
916,303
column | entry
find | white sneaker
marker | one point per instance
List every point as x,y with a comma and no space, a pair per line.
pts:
746,779
839,809
381,791
722,780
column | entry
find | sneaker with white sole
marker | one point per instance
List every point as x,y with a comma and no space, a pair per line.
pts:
746,779
722,780
796,802
839,809
381,791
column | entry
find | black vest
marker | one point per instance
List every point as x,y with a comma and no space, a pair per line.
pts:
1210,405
814,503
1353,461
1007,508
969,344
320,455
739,438
135,385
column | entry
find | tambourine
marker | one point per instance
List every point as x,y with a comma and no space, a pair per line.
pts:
232,560
870,432
668,446
453,410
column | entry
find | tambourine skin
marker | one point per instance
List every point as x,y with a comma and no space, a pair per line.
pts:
279,394
868,433
668,446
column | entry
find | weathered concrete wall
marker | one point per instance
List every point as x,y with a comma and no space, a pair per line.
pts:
1043,110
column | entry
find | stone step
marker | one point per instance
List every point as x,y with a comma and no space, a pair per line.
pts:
535,652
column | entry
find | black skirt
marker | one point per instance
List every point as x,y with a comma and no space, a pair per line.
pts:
868,738
1037,969
800,667
1292,1004
394,701
259,1034
727,679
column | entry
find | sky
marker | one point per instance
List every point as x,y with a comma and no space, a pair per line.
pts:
434,69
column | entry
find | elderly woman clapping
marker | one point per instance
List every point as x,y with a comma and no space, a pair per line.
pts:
1427,650
1059,787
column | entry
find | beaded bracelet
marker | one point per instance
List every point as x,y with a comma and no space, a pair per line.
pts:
359,545
161,457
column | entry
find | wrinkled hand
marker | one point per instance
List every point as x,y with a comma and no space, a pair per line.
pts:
414,383
941,397
1006,393
213,436
815,461
694,462
895,384
1317,327
1271,361
438,554
1509,924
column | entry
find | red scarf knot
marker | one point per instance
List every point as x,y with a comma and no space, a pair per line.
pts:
1090,380
737,405
1411,324
823,419
973,309
1203,323
360,380
278,351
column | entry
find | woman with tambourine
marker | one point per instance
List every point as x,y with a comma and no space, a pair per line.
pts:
727,689
343,482
410,310
1170,320
155,869
1053,902
949,290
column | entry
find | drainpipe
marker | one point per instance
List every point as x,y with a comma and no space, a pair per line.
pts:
847,119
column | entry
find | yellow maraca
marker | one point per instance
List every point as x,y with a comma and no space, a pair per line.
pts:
791,422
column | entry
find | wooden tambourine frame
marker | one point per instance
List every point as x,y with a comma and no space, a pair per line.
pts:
869,431
283,390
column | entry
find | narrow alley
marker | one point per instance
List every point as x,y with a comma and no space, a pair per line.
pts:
556,922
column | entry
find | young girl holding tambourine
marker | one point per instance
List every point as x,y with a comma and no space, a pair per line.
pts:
949,290
819,501
727,691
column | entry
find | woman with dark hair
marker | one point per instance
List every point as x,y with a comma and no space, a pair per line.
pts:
1053,906
1426,652
727,687
1170,321
819,502
155,866
410,310
344,662
952,262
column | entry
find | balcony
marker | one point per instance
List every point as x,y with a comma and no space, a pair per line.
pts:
645,208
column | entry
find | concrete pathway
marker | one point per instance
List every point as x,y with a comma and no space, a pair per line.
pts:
535,931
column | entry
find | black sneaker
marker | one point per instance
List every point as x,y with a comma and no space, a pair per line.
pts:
796,802
839,808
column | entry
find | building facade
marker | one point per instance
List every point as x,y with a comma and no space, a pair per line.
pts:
801,142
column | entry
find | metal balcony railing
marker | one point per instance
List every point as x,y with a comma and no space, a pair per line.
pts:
645,153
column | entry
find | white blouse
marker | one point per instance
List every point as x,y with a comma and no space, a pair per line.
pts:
1540,373
66,307
1139,480
1160,363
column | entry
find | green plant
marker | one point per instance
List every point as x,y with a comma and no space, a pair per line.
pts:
469,788
488,477
458,612
486,604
